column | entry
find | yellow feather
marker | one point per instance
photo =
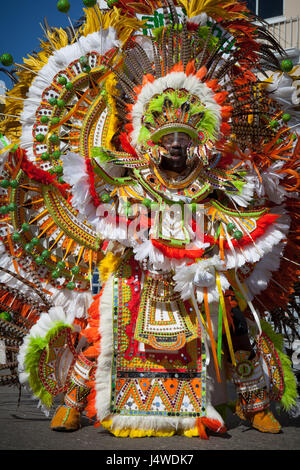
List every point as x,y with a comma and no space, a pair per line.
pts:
108,265
110,86
113,18
213,8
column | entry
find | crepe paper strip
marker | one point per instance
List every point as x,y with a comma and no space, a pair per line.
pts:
225,320
213,343
220,331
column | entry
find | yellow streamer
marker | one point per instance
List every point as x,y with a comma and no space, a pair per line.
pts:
8,147
225,320
213,343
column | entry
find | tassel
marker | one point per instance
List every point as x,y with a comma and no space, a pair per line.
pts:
201,429
213,344
201,72
220,330
214,425
221,242
225,320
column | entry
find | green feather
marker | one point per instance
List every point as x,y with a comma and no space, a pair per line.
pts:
290,393
102,155
32,359
144,134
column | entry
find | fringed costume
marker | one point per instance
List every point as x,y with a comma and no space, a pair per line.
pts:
135,291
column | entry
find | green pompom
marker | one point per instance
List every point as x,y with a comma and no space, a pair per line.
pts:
63,6
29,247
61,103
75,270
4,210
286,117
25,227
111,3
52,101
16,237
5,316
55,121
7,60
105,198
286,65
69,86
55,274
4,184
58,170
90,3
71,285
238,235
274,124
12,207
230,227
56,155
62,80
86,68
54,139
40,137
44,119
61,265
14,184
45,254
83,60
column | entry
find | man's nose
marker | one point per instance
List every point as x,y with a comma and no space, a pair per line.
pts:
175,142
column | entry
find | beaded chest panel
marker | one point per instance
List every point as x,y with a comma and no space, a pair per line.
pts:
147,380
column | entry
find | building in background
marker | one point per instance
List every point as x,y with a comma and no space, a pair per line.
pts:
283,19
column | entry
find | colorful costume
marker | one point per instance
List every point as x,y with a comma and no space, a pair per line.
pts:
186,261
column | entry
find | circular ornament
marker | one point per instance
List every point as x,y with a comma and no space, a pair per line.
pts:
230,227
16,237
286,117
238,235
90,3
5,316
6,60
4,184
286,65
63,6
244,369
203,136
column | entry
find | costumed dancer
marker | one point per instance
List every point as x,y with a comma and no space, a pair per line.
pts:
162,161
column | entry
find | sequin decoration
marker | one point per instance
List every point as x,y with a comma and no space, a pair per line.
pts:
149,381
275,372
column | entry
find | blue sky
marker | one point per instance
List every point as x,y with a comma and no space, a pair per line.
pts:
20,25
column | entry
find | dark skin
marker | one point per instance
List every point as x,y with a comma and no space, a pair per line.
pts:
176,144
175,161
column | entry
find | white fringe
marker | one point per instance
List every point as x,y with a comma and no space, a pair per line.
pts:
100,42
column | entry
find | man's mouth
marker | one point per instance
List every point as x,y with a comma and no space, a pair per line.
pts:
175,155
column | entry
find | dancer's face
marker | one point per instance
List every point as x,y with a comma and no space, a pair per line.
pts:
176,144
